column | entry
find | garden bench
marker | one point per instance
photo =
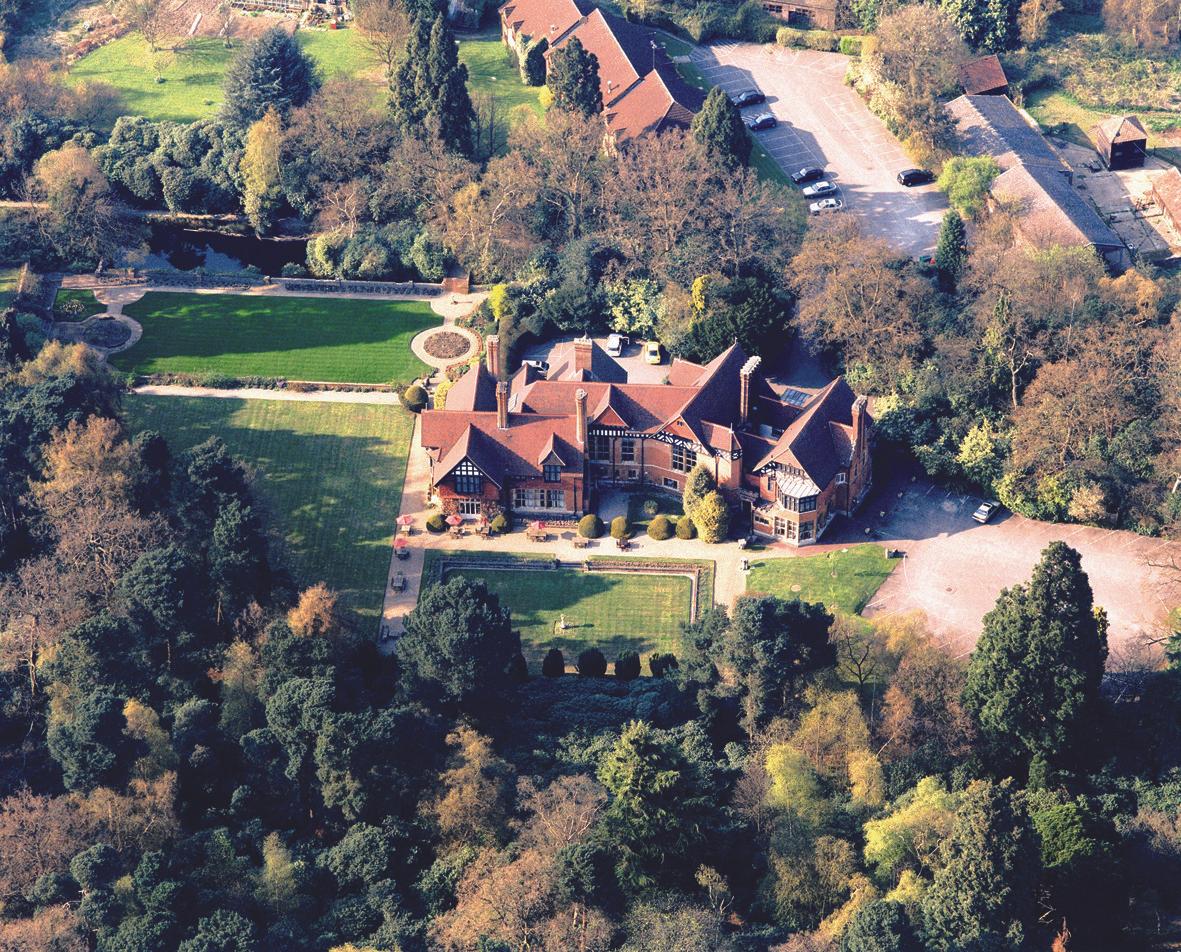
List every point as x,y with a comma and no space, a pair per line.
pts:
581,542
398,582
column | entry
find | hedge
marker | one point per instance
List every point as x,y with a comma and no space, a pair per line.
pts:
850,45
821,40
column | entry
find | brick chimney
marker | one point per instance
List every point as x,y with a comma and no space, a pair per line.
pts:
583,354
860,415
502,406
744,386
492,354
580,416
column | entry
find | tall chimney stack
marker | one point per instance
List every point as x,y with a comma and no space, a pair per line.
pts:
492,354
502,406
744,381
583,354
580,416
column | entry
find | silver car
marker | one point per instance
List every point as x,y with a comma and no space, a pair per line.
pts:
820,189
825,205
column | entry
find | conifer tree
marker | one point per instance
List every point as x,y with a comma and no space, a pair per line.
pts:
271,73
428,89
573,78
719,129
951,250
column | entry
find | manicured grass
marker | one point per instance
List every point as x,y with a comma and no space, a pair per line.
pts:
328,478
844,580
297,338
611,612
193,71
90,304
665,503
8,281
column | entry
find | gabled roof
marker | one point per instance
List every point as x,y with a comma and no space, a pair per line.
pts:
450,437
551,19
982,75
809,444
604,368
1166,189
716,394
472,445
992,125
475,390
624,51
643,407
662,100
1052,212
1122,129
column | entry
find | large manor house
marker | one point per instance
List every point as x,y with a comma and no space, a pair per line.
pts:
544,446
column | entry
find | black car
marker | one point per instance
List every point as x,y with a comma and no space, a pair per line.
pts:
809,173
764,120
909,177
748,97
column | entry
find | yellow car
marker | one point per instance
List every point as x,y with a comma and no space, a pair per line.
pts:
652,352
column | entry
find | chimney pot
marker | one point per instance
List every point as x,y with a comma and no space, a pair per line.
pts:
502,406
583,354
580,415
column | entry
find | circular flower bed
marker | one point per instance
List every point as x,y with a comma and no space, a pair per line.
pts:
107,333
447,345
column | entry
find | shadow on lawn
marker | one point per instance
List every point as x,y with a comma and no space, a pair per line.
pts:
177,325
320,528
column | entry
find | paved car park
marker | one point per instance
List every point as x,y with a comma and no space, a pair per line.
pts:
824,122
954,568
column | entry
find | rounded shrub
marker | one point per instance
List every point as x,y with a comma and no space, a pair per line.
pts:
499,523
651,507
686,529
517,668
620,529
590,526
661,664
592,664
627,666
553,665
415,398
660,529
436,523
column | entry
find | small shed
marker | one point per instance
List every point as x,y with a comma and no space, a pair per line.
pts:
984,76
1166,192
1122,142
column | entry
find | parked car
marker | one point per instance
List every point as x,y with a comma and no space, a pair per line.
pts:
764,120
820,189
985,511
539,365
809,173
748,97
615,345
652,352
826,205
911,177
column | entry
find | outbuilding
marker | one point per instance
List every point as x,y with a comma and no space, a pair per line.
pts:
1166,192
1122,142
984,76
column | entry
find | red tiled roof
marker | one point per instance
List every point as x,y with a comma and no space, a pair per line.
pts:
662,100
624,51
1167,190
516,451
809,443
982,75
475,390
551,19
1121,129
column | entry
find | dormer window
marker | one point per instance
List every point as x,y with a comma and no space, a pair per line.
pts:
552,473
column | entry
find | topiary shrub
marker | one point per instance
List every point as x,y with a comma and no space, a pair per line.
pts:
650,507
436,523
620,529
685,528
712,518
660,529
414,398
590,526
627,666
517,668
499,523
592,664
661,664
553,665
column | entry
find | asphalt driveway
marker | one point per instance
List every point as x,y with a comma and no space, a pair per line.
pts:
824,122
954,569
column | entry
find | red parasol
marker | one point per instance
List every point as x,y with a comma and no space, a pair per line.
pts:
400,542
406,520
455,519
538,525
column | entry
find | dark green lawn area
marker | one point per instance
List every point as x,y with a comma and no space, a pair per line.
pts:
89,303
296,338
8,281
613,613
328,478
843,580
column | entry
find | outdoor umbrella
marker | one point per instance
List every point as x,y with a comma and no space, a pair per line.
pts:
455,519
406,520
538,526
400,543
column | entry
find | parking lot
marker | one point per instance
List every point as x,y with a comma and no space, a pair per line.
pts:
954,568
824,122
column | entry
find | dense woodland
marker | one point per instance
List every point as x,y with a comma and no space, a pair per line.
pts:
196,755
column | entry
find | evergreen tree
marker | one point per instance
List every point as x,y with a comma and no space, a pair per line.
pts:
952,250
987,25
982,898
428,89
1033,680
719,129
271,73
573,78
879,926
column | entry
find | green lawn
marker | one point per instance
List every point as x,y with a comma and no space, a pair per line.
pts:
610,612
90,304
297,338
192,73
8,281
328,478
492,71
640,509
844,581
